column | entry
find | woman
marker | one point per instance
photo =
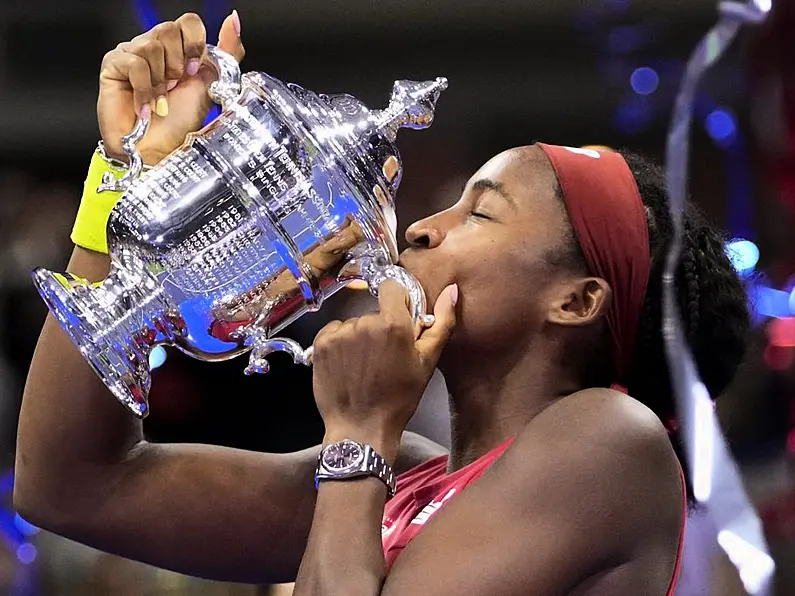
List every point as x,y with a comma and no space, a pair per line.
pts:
545,278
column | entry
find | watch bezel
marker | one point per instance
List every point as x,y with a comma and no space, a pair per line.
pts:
355,465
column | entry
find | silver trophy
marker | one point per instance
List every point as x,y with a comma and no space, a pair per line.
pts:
282,200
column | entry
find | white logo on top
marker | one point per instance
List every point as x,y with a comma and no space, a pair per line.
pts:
431,508
386,525
589,152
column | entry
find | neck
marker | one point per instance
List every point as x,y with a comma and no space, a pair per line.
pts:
493,398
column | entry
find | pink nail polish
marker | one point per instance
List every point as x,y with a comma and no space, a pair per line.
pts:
454,294
145,112
236,22
192,67
171,85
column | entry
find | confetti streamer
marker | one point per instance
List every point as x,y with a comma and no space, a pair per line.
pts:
715,478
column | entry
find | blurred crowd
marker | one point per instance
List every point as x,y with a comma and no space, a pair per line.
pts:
215,403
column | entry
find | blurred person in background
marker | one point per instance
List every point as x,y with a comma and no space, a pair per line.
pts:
545,278
25,240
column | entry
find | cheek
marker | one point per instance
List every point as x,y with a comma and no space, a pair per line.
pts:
499,295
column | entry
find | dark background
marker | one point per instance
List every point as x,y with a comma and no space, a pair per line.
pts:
519,71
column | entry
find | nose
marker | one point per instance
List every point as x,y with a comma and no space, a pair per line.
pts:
424,234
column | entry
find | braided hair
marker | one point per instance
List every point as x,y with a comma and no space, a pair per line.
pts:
710,297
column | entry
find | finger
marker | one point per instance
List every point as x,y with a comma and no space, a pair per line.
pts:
393,301
325,333
194,41
170,36
229,37
150,50
432,341
121,66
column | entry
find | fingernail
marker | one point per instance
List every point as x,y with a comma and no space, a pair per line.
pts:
172,84
192,67
236,22
161,107
145,112
454,294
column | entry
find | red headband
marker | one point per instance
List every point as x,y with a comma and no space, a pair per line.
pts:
609,219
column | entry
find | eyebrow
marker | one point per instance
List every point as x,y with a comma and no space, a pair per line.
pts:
484,184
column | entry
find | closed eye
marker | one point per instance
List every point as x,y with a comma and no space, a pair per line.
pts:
479,215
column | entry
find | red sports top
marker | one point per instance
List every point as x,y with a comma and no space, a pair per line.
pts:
423,490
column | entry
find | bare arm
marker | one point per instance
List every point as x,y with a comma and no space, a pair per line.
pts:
585,500
84,471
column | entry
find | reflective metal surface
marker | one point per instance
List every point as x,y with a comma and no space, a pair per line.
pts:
252,222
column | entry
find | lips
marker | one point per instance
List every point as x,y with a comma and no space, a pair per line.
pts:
428,276
408,262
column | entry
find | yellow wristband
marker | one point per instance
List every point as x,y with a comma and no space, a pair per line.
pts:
90,229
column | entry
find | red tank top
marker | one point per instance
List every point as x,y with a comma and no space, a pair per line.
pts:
425,489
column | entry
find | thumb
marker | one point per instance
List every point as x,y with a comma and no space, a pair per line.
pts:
229,36
432,341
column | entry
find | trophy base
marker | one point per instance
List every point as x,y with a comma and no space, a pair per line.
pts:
89,319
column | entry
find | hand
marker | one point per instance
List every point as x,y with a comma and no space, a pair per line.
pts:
163,70
370,372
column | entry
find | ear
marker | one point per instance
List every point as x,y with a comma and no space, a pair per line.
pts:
579,302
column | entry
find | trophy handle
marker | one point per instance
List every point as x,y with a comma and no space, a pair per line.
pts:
374,270
128,144
223,91
262,347
226,90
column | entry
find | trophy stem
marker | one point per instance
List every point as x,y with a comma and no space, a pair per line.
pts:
115,324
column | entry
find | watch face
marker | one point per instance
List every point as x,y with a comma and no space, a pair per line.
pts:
343,456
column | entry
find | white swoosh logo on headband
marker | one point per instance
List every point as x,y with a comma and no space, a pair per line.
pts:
587,152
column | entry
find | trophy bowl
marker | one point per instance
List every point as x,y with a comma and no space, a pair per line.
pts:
282,200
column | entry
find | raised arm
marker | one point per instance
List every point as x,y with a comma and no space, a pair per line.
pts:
83,469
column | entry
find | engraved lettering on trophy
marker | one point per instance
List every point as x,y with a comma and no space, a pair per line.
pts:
183,245
311,224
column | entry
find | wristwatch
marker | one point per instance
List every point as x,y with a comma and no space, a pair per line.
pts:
349,459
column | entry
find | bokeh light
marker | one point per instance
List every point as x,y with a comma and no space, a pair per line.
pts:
791,441
764,5
768,302
644,80
26,553
721,125
778,358
634,114
744,255
624,40
781,332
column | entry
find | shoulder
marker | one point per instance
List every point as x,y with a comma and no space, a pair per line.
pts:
603,457
603,419
581,489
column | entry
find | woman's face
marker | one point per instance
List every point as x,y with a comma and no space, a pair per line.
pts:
496,243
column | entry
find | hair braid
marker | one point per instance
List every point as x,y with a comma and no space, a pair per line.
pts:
691,296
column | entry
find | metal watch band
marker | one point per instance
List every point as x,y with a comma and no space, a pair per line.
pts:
373,464
379,468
